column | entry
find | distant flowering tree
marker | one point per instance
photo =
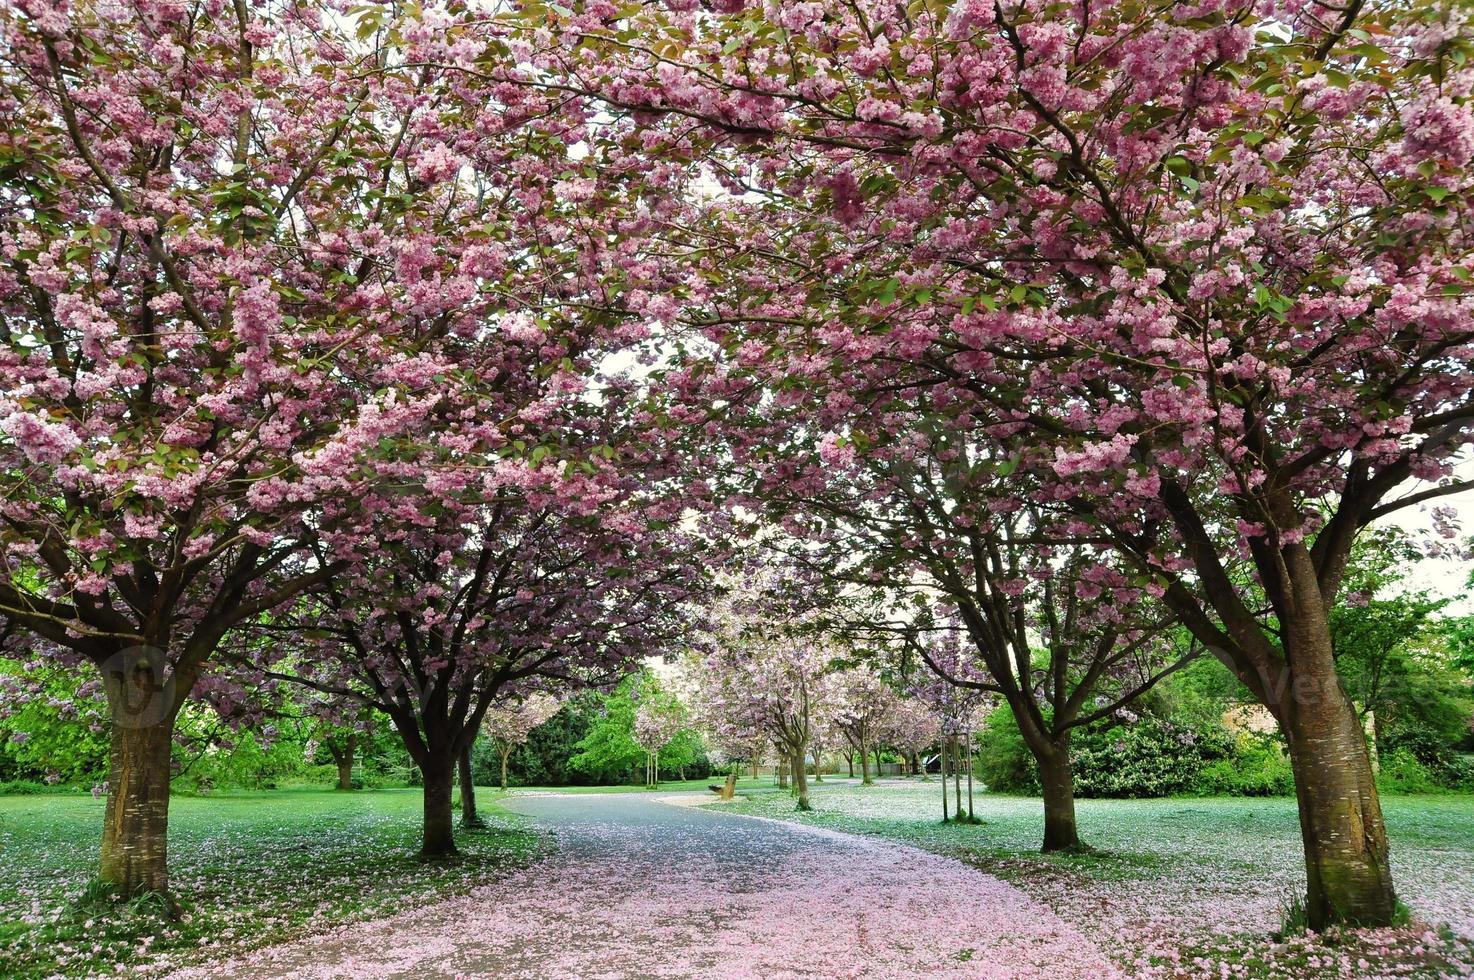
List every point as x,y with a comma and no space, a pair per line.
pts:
959,699
509,725
1202,270
484,602
1062,634
862,710
764,674
913,728
658,720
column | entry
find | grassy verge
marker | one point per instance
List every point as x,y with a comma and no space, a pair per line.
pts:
1188,887
249,869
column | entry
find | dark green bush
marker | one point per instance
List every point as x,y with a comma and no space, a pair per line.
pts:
1419,759
28,787
1256,767
1401,772
1149,757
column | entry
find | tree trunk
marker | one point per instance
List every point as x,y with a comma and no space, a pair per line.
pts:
344,758
505,752
801,779
756,763
957,776
135,827
942,768
782,773
818,769
1057,777
970,814
439,830
469,817
1349,879
849,758
865,779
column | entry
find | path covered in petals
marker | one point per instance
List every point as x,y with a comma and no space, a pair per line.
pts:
641,886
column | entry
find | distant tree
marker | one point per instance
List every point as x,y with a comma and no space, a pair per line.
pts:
659,718
912,727
865,704
510,725
609,752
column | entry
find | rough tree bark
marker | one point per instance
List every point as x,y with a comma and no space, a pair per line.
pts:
505,751
1057,778
343,758
469,816
801,778
1349,878
143,701
439,830
136,823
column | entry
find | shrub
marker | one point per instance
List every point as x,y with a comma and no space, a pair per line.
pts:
1419,755
1401,772
1256,767
26,787
1003,760
1151,757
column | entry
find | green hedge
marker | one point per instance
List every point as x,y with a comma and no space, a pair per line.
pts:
1150,757
1157,756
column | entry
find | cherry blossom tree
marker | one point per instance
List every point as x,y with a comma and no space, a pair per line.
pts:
764,674
913,728
508,725
956,692
202,335
1061,634
1199,268
658,720
864,704
482,603
339,725
250,254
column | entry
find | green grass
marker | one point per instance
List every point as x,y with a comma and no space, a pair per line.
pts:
248,869
257,868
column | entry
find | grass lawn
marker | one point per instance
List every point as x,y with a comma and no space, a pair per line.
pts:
249,868
1177,888
1187,887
